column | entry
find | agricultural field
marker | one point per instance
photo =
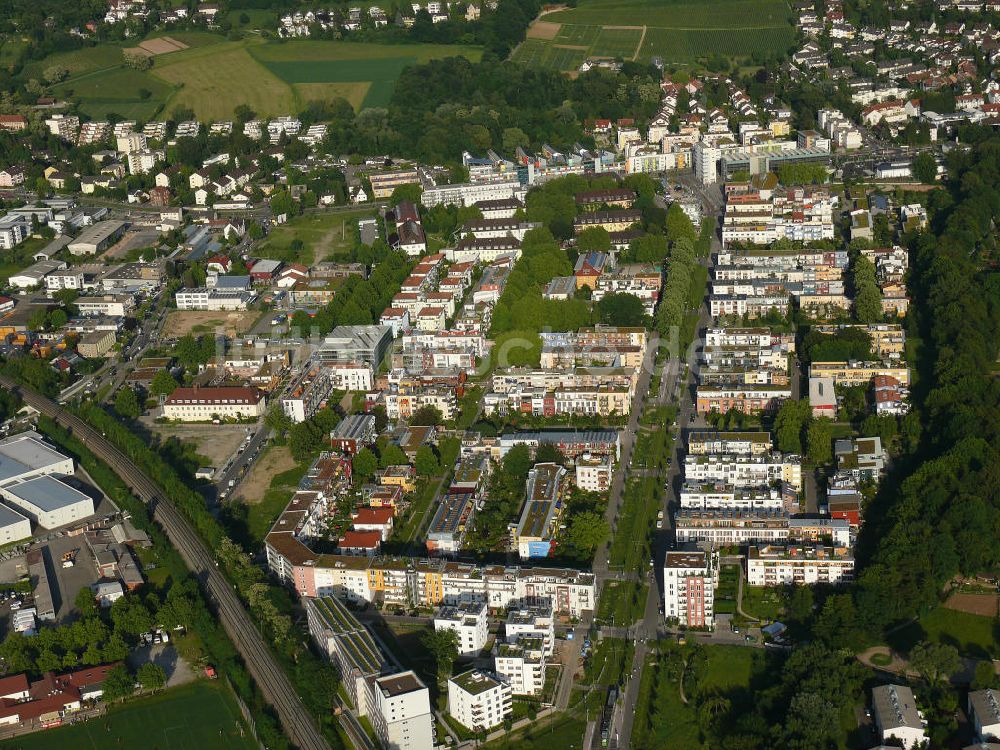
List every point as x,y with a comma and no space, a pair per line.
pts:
677,31
213,76
195,716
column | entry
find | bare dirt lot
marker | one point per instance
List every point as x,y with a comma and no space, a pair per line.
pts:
216,442
974,604
182,322
276,459
543,30
162,45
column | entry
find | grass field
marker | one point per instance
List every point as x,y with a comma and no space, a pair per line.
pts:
213,76
972,635
196,716
677,31
322,234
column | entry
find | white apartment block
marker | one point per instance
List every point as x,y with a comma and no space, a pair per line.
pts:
399,709
532,622
689,581
594,473
479,700
744,471
727,527
213,299
700,496
469,621
466,194
798,564
522,665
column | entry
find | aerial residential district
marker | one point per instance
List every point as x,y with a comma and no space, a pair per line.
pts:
619,374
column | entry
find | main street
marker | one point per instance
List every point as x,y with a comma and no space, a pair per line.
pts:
679,380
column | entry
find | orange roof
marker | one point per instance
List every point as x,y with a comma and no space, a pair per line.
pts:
360,540
373,516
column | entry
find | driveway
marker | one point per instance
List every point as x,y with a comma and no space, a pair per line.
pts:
165,655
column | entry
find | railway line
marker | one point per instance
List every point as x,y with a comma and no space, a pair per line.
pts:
256,653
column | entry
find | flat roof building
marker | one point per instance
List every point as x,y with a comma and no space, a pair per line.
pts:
347,643
478,699
532,536
400,712
97,238
48,502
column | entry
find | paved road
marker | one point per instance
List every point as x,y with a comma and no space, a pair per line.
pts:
648,627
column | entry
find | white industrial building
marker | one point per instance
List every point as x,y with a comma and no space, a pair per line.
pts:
13,526
479,700
48,502
470,623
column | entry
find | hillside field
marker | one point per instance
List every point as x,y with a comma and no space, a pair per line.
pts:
677,31
213,76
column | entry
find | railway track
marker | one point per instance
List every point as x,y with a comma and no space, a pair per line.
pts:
237,621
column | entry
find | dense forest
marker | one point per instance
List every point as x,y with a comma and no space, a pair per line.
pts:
453,105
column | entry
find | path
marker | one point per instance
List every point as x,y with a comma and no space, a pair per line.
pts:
638,47
900,666
739,595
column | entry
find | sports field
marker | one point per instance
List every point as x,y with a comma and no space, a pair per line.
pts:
193,717
213,76
677,31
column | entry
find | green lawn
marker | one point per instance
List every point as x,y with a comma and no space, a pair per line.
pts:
725,595
130,93
663,721
762,602
564,732
193,717
677,31
321,234
972,635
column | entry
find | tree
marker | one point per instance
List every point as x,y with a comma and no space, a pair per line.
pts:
37,320
443,646
392,455
935,661
363,465
55,73
426,462
85,602
986,676
594,239
127,403
118,684
587,530
621,309
512,138
151,676
427,415
788,425
57,319
924,168
819,441
163,383
403,193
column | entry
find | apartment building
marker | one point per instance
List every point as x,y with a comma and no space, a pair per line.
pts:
689,582
896,715
706,442
773,565
399,709
744,398
859,373
594,473
450,523
532,622
728,527
717,495
469,621
202,404
521,665
533,534
745,471
479,700
347,644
